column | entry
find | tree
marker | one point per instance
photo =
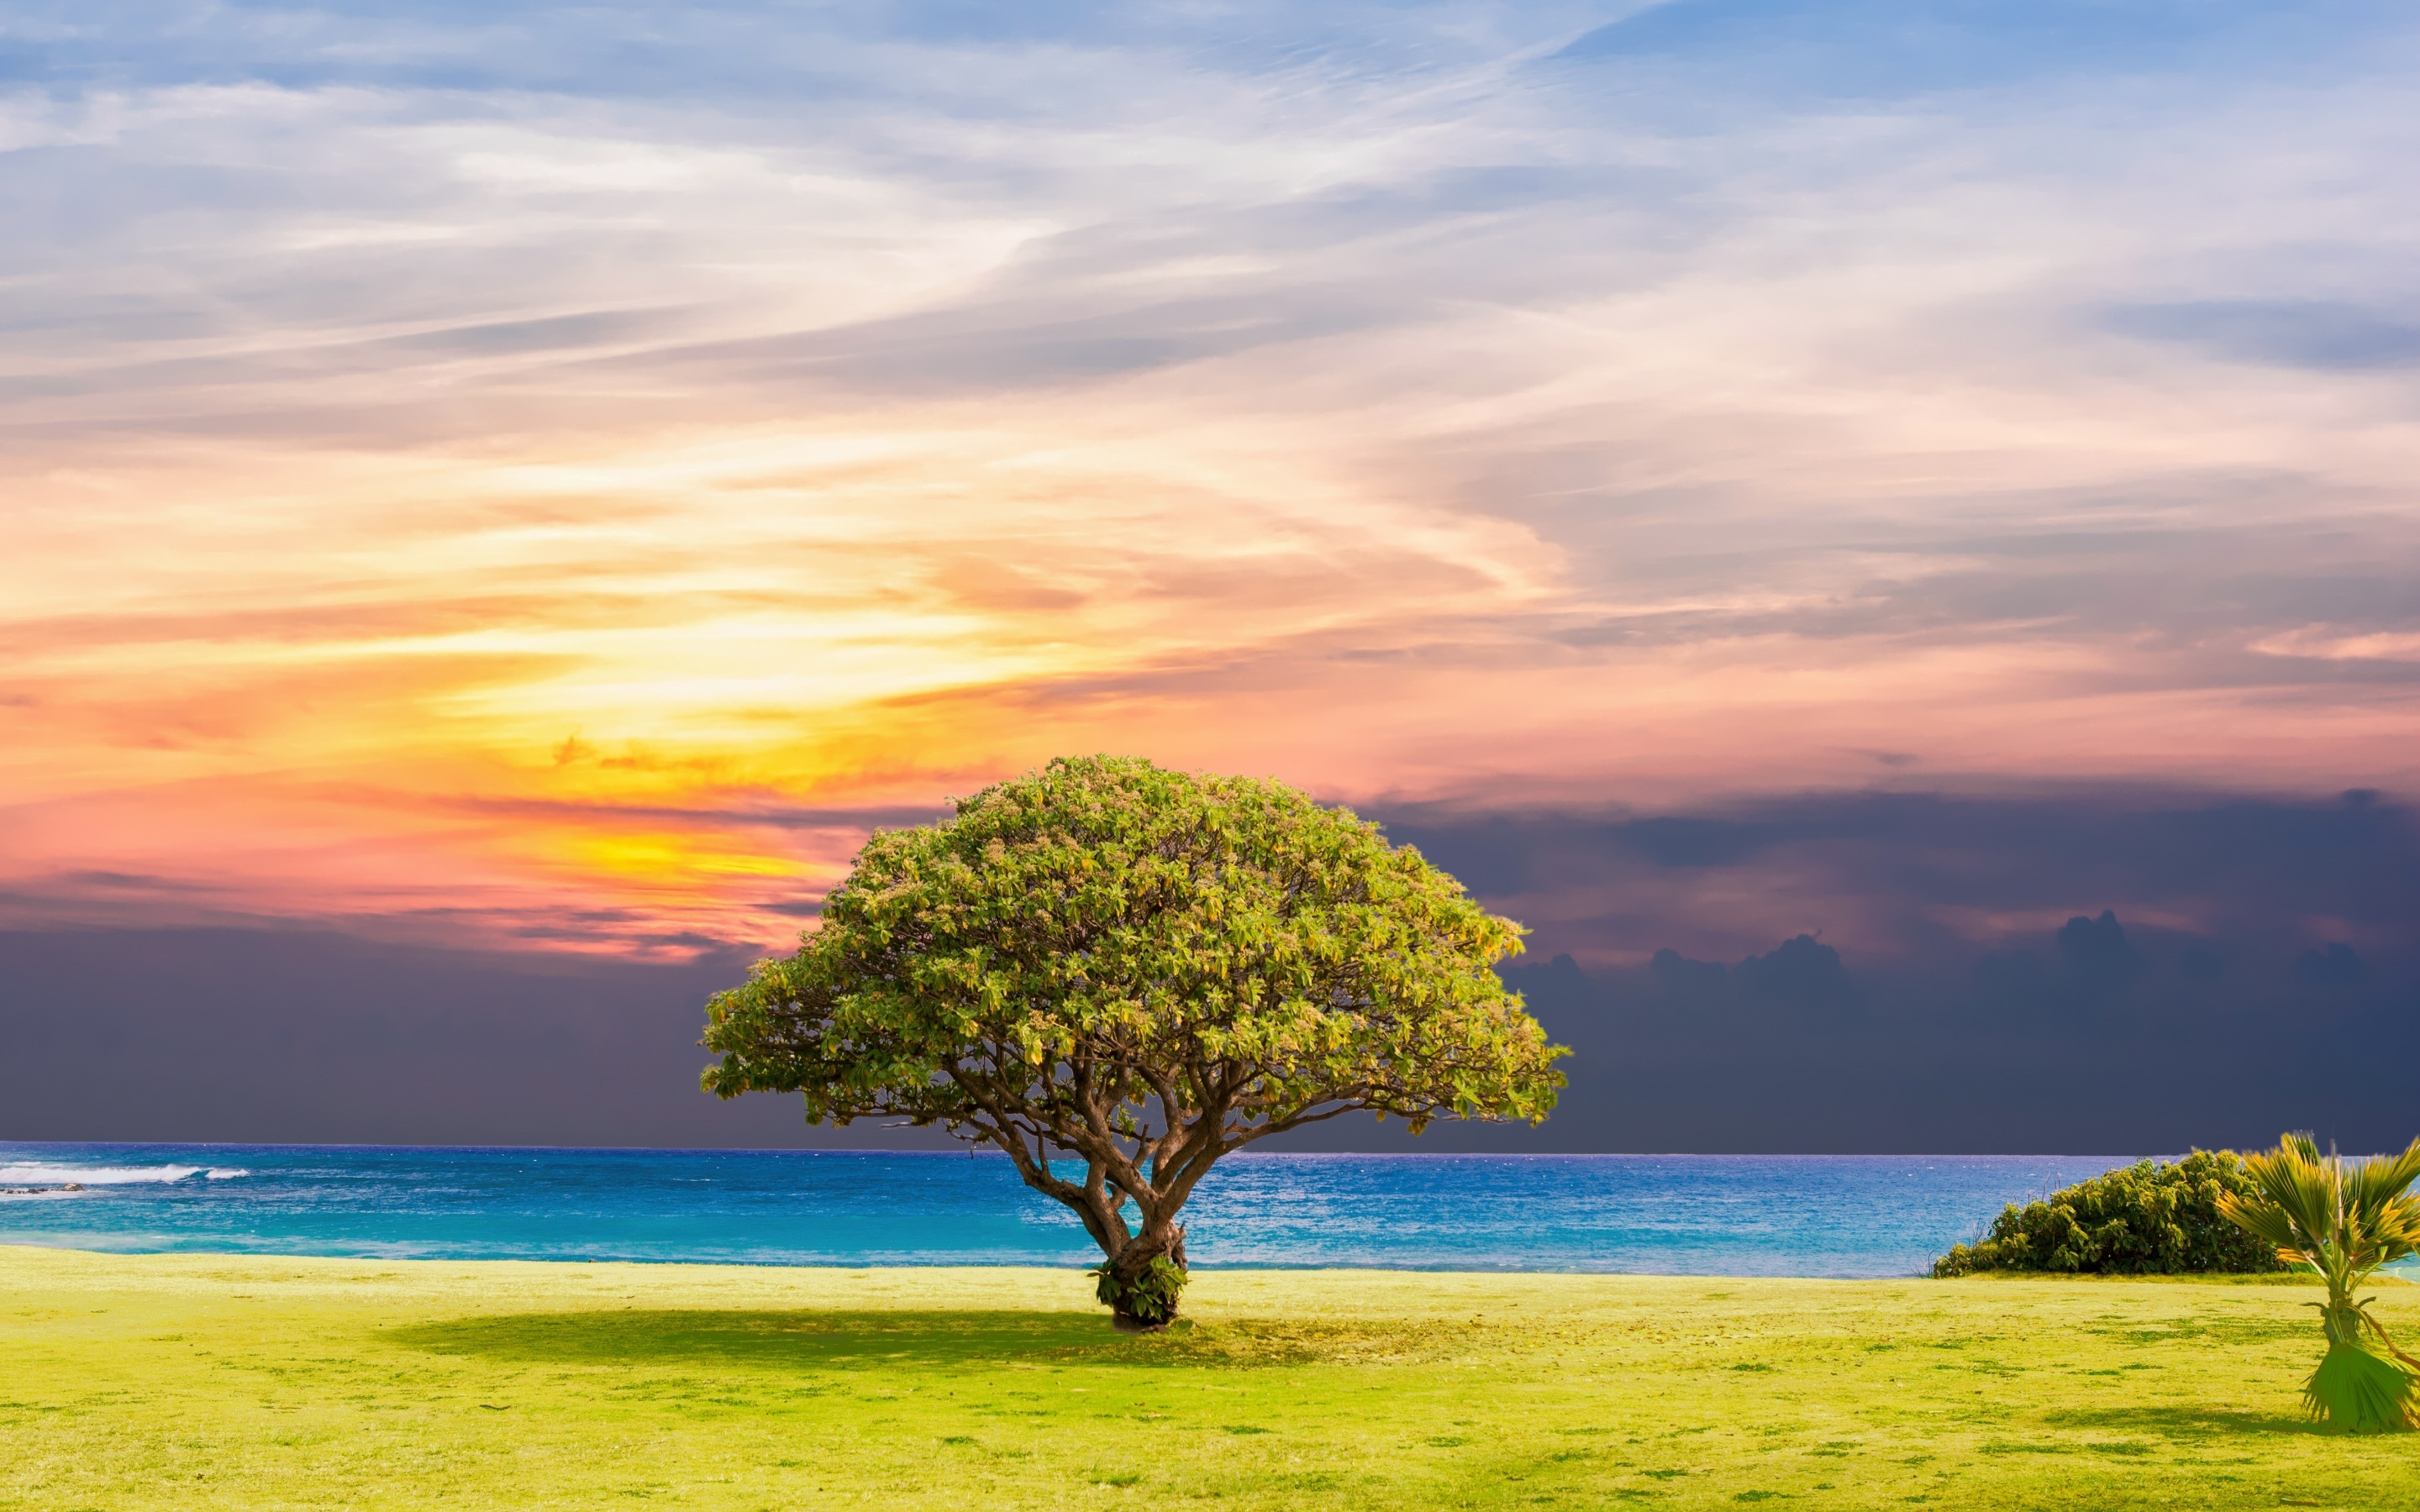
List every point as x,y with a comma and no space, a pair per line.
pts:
2343,1221
1141,971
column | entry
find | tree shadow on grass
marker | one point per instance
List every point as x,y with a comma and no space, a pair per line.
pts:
872,1338
2184,1422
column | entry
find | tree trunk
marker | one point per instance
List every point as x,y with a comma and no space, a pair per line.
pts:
1141,1301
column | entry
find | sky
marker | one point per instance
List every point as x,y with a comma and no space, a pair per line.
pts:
528,487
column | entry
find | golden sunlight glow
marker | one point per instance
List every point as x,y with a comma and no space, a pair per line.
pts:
535,521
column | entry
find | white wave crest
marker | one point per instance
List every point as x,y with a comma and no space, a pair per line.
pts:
40,1172
225,1173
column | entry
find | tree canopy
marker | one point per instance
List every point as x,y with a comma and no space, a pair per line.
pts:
1137,970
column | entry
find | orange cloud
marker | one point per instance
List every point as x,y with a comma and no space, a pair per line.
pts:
520,517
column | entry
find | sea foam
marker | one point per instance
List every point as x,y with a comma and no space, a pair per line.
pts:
36,1173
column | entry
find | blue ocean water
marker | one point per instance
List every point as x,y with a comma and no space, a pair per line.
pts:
1806,1215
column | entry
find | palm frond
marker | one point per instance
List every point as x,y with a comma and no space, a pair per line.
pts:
2264,1221
2377,1196
2299,1188
2360,1392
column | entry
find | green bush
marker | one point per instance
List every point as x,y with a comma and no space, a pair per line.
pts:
1151,1298
2147,1218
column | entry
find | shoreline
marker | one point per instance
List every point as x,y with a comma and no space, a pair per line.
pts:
1983,1278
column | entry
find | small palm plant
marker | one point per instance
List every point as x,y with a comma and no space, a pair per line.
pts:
2343,1220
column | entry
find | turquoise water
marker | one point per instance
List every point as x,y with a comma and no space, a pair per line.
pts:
1808,1215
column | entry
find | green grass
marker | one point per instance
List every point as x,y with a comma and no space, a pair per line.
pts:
215,1381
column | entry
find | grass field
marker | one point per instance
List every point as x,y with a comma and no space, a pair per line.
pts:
212,1382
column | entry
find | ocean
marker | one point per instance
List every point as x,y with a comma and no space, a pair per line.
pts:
1795,1216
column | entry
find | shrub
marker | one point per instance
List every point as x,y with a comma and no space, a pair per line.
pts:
2147,1218
1150,1299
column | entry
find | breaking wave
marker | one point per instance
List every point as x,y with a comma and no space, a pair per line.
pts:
35,1173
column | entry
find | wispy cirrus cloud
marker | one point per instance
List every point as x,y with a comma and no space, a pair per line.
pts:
476,459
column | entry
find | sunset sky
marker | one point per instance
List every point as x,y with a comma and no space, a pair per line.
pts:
501,475
1882,530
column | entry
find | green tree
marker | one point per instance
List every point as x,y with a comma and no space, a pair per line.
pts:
2343,1220
1137,971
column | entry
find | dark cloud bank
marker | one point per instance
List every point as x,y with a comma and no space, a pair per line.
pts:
2227,967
